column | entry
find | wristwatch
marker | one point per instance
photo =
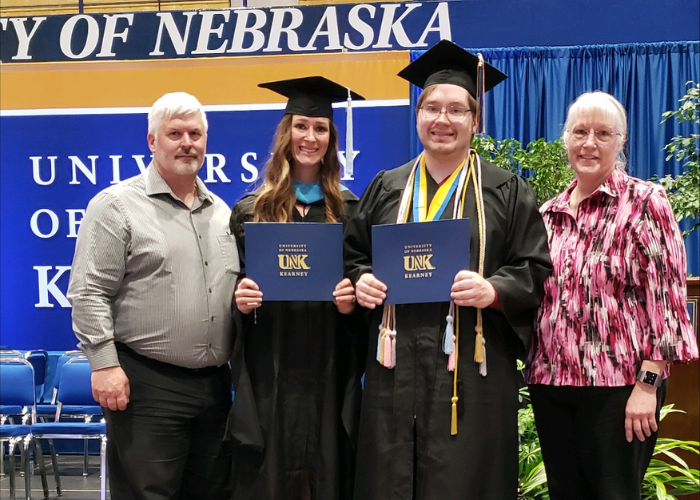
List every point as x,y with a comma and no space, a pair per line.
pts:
649,378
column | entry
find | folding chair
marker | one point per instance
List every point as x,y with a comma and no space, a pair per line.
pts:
7,411
75,388
17,388
48,411
39,359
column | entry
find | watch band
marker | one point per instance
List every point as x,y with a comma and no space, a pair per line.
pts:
649,378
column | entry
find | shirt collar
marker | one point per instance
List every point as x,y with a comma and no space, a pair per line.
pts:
613,186
155,184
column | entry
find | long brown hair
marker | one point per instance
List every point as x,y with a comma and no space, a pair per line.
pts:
276,200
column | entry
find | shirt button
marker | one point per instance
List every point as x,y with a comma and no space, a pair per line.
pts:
206,263
200,236
210,290
212,318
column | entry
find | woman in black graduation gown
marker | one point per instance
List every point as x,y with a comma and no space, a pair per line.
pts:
439,419
295,376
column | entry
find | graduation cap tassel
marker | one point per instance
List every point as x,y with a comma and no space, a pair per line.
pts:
348,140
480,99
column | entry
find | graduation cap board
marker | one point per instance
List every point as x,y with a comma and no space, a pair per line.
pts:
447,62
311,95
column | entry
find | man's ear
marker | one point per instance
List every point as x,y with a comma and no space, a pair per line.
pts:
151,142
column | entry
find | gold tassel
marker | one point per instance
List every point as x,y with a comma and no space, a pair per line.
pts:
480,99
453,429
381,346
478,342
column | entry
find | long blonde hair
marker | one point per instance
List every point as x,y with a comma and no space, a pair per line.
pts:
276,200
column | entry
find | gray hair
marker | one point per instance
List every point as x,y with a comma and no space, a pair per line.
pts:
601,103
174,105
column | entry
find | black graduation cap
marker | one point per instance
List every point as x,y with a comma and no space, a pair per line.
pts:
447,62
311,95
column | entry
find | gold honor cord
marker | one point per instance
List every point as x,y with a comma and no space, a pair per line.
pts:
478,347
480,343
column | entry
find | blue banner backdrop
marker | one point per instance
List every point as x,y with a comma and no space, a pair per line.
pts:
53,165
647,78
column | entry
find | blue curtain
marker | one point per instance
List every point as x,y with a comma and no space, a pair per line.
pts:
647,78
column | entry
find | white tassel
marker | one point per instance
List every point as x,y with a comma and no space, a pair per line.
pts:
348,140
482,365
448,346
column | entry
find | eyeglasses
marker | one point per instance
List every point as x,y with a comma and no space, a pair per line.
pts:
453,113
602,135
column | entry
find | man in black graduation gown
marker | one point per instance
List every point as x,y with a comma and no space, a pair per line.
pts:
410,444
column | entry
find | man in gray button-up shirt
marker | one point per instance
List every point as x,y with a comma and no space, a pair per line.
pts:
151,287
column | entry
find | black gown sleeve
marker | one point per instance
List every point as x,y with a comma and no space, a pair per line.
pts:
357,251
243,425
241,213
519,282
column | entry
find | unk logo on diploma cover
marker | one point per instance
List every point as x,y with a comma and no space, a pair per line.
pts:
291,260
416,261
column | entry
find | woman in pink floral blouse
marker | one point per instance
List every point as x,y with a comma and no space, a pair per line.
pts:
614,316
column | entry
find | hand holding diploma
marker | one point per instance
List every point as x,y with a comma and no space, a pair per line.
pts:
370,291
344,294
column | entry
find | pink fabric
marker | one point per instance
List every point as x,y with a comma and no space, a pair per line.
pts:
617,295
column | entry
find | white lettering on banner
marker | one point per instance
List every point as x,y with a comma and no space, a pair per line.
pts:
179,41
36,169
228,31
206,31
23,38
330,22
442,16
346,175
90,174
214,165
74,222
111,33
34,223
140,163
277,28
360,26
90,42
390,26
47,287
242,29
116,177
249,167
75,218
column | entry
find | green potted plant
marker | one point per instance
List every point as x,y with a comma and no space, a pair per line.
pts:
667,478
684,189
544,164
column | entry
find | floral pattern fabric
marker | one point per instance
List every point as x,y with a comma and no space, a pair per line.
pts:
617,295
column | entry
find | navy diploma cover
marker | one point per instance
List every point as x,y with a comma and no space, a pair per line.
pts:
294,260
418,261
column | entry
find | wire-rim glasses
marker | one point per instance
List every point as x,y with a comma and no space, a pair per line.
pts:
601,135
453,113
